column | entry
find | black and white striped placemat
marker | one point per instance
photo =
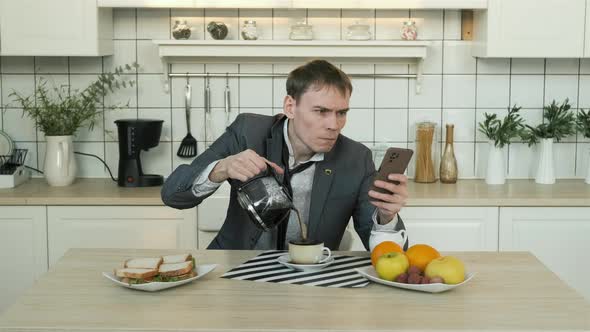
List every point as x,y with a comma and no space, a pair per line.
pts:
265,268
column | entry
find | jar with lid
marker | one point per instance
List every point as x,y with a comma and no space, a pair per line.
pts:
301,31
409,30
358,31
249,30
181,30
425,152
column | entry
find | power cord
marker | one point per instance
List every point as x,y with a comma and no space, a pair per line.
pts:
84,154
97,157
34,169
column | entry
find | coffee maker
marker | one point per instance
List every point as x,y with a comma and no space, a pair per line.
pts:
136,135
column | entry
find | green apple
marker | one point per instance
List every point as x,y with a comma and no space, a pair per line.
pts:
391,265
449,268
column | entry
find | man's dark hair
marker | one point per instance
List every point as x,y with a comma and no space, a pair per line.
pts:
317,74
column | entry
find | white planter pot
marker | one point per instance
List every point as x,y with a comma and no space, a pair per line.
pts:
496,169
60,164
545,174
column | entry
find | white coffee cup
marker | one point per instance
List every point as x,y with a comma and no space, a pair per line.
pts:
312,253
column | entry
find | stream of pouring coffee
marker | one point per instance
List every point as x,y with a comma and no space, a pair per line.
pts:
302,226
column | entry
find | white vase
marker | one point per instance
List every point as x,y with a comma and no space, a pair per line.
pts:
588,170
60,164
545,174
496,170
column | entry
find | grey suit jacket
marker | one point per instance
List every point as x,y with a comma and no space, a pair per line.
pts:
336,195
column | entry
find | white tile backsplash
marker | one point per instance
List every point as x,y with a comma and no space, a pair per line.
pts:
389,23
528,66
527,90
464,121
153,23
150,92
124,21
493,66
18,64
359,124
326,23
562,66
492,91
429,24
560,87
456,88
85,65
25,131
458,91
452,24
391,93
125,53
391,125
51,64
430,96
458,58
147,55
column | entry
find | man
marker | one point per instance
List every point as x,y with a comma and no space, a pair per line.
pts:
329,174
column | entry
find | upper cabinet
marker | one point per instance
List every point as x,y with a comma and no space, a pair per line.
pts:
290,4
55,28
530,29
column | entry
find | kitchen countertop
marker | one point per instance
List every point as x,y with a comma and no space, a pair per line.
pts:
463,193
511,291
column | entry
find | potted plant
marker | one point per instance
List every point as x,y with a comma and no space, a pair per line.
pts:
61,113
583,125
500,133
559,122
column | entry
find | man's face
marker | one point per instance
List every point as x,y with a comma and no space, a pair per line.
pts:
318,117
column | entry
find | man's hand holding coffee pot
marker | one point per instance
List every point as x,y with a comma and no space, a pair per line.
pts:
241,166
389,204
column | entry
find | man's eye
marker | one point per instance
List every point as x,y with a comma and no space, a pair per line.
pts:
342,113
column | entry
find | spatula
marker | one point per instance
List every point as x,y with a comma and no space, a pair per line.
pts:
188,146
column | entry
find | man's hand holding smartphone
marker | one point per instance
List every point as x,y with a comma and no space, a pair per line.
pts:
390,188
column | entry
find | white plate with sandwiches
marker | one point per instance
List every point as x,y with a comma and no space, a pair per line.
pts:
152,274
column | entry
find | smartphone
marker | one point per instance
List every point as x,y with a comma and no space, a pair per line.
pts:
395,161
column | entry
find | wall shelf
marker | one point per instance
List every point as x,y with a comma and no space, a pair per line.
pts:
286,4
273,51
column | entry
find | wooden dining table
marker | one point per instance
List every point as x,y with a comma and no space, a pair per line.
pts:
511,291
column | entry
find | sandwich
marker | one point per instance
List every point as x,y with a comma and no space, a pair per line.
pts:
157,269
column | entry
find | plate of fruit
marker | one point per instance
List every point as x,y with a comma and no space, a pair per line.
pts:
420,268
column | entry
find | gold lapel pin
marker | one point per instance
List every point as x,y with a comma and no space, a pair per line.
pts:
328,171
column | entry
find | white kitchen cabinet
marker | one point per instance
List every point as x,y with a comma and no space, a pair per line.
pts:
445,228
141,227
530,29
453,228
55,28
557,236
23,250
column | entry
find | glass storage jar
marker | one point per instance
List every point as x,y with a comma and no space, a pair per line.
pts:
301,31
249,30
425,152
409,30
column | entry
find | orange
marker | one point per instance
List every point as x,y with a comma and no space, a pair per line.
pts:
420,255
384,248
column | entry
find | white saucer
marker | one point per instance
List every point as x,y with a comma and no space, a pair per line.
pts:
286,261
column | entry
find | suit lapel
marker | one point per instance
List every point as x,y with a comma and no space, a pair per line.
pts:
322,182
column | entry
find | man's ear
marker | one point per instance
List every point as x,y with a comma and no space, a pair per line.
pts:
289,104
